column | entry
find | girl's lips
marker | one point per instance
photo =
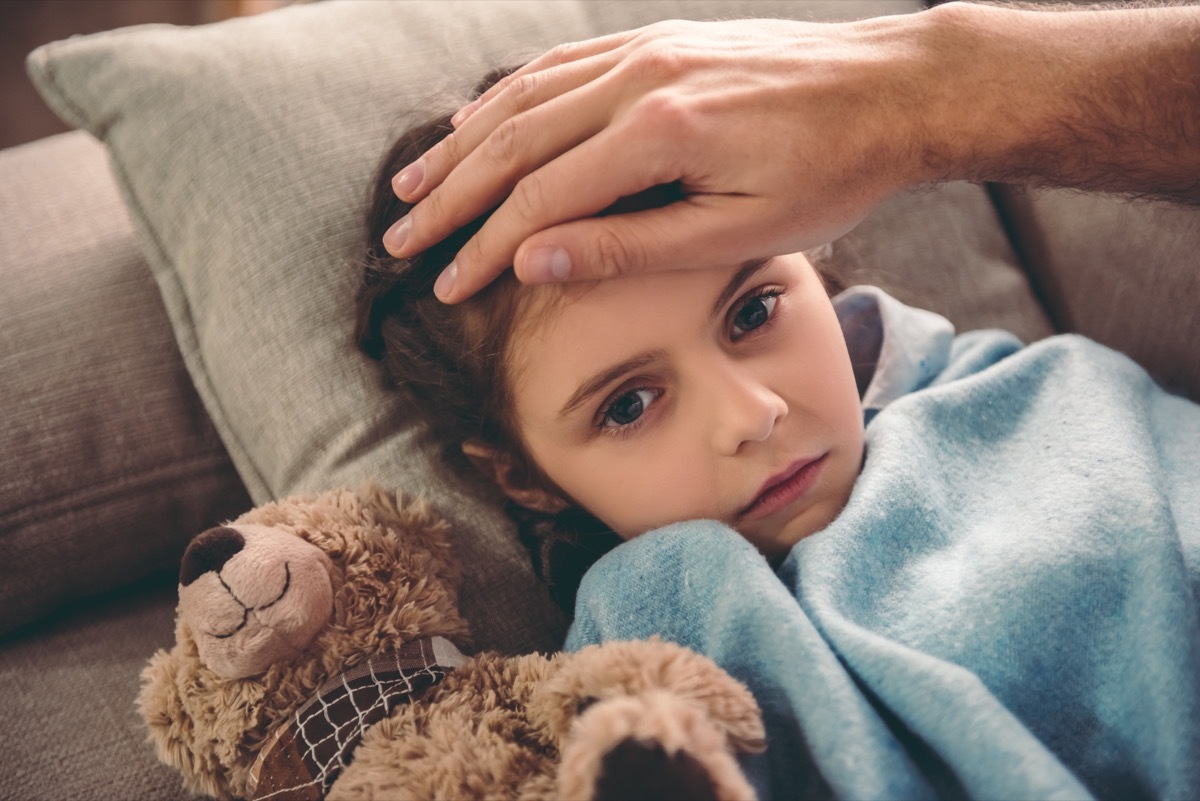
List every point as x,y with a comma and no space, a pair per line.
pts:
783,488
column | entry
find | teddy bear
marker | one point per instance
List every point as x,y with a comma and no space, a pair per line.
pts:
317,655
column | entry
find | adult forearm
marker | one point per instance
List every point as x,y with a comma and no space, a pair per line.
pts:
1105,100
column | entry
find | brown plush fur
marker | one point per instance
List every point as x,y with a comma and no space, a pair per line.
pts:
529,726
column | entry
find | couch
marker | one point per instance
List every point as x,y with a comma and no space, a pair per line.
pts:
175,327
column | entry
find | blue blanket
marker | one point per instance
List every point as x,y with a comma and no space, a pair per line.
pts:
1008,607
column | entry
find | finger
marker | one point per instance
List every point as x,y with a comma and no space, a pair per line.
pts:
489,174
527,93
702,232
582,182
555,57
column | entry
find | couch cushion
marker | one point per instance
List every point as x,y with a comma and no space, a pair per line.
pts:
109,460
244,151
943,248
1121,272
67,693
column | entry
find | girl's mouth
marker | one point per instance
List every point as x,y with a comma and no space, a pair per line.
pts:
783,488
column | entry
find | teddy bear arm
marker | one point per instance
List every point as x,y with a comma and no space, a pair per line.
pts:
655,746
172,729
467,738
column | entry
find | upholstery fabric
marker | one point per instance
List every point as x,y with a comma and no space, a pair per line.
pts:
110,462
1094,259
243,152
67,695
944,249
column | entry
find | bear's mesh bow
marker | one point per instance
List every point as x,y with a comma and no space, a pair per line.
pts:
306,754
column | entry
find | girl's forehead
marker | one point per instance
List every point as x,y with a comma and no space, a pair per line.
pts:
633,307
567,332
549,312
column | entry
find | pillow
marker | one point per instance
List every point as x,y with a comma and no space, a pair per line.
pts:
243,151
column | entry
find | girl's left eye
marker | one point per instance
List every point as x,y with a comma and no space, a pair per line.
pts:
753,313
627,408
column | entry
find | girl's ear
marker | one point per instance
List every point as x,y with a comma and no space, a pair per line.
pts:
513,480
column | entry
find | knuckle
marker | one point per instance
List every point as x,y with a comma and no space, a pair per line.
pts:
612,256
562,53
658,62
435,216
523,91
504,145
659,29
527,199
448,151
666,110
431,208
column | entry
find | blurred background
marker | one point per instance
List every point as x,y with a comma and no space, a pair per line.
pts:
25,24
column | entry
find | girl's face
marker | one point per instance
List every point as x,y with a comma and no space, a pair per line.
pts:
667,397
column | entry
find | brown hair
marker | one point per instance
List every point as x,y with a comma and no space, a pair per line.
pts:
453,361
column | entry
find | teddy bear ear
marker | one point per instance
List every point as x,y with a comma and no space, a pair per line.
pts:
732,707
154,700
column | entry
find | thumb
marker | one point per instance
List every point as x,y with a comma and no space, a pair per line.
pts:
701,232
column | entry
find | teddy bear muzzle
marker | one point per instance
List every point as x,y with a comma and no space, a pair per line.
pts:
252,596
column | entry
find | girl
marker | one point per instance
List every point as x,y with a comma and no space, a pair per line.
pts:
944,565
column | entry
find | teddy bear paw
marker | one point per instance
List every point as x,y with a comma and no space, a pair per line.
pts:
650,746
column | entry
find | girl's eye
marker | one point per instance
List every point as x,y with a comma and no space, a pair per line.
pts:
627,408
754,313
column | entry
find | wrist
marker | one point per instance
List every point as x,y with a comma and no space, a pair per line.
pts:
966,118
992,88
912,84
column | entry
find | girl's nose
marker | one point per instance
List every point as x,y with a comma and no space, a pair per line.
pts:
746,411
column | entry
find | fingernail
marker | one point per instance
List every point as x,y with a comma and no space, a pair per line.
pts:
407,180
461,115
445,282
547,264
395,237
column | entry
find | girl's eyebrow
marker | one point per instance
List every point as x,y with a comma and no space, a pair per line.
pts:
744,273
605,377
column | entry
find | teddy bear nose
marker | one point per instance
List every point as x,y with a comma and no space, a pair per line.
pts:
209,551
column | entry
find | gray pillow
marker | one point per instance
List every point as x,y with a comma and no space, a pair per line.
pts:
243,151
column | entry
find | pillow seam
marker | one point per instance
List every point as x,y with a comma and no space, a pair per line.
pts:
78,116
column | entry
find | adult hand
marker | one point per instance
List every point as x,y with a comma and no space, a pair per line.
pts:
775,132
782,135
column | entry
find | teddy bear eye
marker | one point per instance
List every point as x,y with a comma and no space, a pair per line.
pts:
583,704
